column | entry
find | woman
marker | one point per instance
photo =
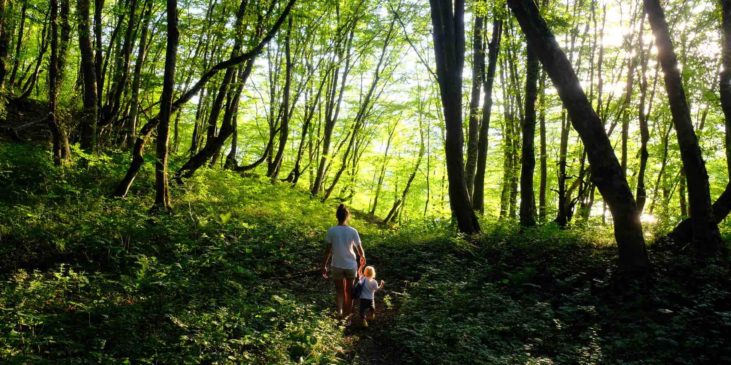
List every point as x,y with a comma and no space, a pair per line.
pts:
343,243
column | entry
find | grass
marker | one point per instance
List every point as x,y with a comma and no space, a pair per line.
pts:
231,276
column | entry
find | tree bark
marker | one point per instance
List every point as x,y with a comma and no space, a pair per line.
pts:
162,194
478,68
706,237
61,151
137,74
4,42
88,73
478,194
449,43
606,172
528,159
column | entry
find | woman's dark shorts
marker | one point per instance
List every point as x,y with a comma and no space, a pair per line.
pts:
366,304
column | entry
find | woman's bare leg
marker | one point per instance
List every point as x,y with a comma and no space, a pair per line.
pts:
340,295
348,286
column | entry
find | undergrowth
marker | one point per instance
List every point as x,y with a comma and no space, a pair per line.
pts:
231,276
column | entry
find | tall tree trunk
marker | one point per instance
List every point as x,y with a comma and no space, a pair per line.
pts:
137,77
162,194
61,150
273,170
643,116
706,237
18,44
88,71
478,194
543,151
4,42
98,56
478,68
449,43
606,172
528,159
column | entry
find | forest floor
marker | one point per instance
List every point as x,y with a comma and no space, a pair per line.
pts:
231,276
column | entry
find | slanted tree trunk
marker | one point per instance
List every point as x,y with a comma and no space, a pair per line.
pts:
478,194
478,68
382,173
528,159
706,237
162,194
606,172
449,43
88,73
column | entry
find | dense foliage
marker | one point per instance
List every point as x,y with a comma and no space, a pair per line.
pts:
231,277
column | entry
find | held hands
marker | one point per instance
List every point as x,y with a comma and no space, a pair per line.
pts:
380,285
362,261
324,272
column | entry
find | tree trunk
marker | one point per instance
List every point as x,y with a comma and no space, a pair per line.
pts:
162,194
478,68
706,237
273,170
4,43
98,56
606,172
88,72
528,159
18,45
543,151
137,77
61,150
478,194
448,21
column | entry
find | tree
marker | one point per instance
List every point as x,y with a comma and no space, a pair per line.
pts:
449,42
528,159
478,195
162,193
88,73
606,171
706,237
61,151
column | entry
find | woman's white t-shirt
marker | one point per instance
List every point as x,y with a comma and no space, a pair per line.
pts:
369,288
344,240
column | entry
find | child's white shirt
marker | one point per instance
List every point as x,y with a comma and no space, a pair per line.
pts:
369,288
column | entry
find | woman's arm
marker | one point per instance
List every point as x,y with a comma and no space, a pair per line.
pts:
328,254
362,255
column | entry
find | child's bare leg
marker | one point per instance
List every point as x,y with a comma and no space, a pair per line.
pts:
371,314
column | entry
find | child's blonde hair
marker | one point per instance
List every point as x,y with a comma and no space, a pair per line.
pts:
369,272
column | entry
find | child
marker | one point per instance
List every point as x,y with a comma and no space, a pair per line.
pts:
367,303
